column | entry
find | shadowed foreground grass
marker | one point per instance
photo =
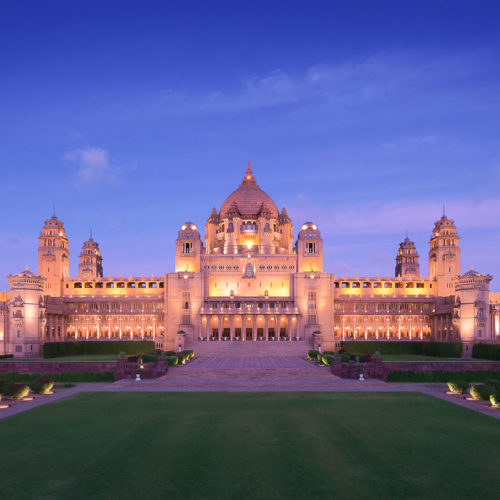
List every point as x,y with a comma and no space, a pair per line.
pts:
249,445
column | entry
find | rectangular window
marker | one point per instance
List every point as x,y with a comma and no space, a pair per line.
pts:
311,319
310,247
187,247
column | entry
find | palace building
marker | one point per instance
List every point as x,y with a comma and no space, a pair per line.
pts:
248,280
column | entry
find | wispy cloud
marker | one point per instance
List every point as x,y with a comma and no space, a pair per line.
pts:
93,166
397,216
373,78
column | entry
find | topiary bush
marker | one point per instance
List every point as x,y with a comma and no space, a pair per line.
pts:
42,386
312,354
326,359
481,392
458,386
173,360
150,358
495,383
3,384
495,399
17,392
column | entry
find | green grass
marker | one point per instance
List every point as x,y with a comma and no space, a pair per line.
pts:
249,445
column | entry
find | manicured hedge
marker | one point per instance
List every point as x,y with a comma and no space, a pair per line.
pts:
482,392
439,349
486,351
458,387
495,400
58,377
16,392
57,349
6,356
173,360
443,376
42,386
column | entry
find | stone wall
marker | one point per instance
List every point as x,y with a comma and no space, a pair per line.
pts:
378,368
121,368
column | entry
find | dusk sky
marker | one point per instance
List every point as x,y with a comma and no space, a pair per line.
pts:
364,117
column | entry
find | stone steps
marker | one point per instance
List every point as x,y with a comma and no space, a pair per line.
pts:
249,349
184,373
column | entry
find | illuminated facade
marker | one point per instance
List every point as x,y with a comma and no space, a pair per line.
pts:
248,280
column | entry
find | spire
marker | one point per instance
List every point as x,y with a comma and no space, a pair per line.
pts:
249,178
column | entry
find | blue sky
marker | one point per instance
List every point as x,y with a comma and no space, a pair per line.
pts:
365,117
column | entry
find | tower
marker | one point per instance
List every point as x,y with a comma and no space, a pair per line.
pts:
407,265
444,255
53,256
90,260
471,314
26,316
188,249
309,249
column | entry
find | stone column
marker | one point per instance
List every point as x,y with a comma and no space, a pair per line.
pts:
98,329
254,327
231,327
266,326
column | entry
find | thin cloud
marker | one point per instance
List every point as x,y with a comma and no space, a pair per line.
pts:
397,216
93,166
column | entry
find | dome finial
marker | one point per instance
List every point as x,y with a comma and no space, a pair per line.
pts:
249,178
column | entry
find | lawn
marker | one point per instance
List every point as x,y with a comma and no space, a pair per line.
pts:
249,445
421,357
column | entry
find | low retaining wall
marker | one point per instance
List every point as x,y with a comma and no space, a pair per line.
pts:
378,368
445,366
121,368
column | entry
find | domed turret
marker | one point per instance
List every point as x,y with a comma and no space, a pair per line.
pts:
407,265
90,266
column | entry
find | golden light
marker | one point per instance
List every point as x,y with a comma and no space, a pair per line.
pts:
314,227
304,227
183,227
249,245
185,276
193,227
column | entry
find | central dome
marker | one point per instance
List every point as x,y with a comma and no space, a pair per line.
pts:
249,200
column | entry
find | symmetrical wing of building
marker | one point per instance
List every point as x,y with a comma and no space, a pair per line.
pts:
247,281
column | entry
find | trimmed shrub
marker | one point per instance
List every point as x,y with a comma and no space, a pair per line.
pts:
173,360
169,353
17,392
495,399
190,353
42,386
486,351
4,383
481,392
57,349
6,356
458,387
150,358
493,383
132,359
312,354
442,376
438,349
326,359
